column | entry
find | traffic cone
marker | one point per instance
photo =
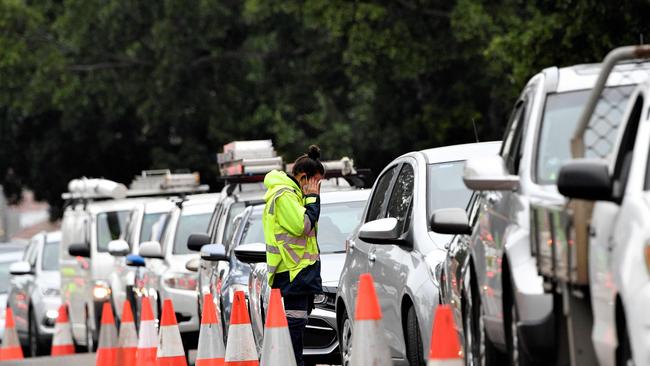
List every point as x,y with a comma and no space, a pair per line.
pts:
277,349
11,349
445,347
107,345
369,346
211,351
128,339
62,339
170,345
148,337
240,350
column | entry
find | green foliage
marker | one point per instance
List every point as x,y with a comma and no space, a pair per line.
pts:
110,87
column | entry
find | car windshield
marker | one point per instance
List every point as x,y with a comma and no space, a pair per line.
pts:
445,186
109,227
4,276
336,223
561,114
50,259
188,225
148,222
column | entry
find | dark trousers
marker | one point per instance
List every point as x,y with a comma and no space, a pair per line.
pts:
298,308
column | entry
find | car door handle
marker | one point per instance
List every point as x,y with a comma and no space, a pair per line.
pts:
372,257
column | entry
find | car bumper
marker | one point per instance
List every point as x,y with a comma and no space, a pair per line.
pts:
638,324
320,339
47,314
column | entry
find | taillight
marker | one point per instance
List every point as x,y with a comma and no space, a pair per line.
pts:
181,281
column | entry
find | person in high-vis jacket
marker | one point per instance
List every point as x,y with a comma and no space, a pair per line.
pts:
290,225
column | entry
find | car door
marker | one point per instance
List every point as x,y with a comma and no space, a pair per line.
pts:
20,296
499,208
359,251
390,264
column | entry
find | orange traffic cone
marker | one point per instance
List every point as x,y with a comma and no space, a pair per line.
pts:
170,345
128,339
277,349
240,350
369,345
148,337
210,351
62,338
445,347
107,345
11,349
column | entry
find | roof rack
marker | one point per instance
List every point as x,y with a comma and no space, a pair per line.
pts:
85,188
164,182
247,158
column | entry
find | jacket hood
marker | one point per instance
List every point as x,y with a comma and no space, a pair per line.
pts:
277,178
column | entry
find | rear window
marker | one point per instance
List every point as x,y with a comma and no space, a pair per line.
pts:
188,225
50,259
109,227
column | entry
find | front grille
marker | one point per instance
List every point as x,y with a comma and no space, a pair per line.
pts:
321,337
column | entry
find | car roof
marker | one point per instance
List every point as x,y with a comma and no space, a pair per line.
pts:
581,77
353,195
7,248
53,236
461,152
158,206
115,205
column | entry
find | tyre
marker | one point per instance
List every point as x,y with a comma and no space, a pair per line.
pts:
516,356
624,349
345,339
414,349
479,350
90,338
34,339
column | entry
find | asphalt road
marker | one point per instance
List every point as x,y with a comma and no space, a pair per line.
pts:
83,359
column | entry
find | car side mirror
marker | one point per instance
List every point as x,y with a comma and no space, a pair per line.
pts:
489,174
251,253
118,248
450,221
192,265
135,260
79,250
382,231
586,179
214,252
196,241
151,249
20,268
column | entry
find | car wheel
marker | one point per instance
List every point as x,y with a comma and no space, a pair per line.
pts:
90,340
624,350
513,343
35,348
345,339
479,350
414,349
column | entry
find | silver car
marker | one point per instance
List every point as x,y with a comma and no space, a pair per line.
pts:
9,254
339,217
166,275
492,276
397,247
34,295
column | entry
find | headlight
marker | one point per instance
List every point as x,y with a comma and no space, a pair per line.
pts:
50,292
52,314
234,288
101,291
181,281
320,299
435,261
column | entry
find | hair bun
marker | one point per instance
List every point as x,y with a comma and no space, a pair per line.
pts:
314,152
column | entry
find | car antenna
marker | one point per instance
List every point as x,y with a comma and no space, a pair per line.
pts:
475,130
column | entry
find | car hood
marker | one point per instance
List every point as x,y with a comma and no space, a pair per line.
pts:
177,262
331,268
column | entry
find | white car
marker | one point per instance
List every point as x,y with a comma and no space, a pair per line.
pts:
166,275
619,244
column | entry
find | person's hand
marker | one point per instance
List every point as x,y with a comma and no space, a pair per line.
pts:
312,186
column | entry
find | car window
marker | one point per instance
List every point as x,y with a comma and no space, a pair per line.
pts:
127,234
4,277
336,223
235,209
445,186
561,114
50,259
27,256
380,195
254,231
399,205
109,227
148,221
188,225
510,150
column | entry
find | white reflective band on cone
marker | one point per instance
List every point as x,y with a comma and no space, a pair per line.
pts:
369,344
278,349
10,338
148,335
455,362
210,342
241,344
128,336
170,343
107,336
62,335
